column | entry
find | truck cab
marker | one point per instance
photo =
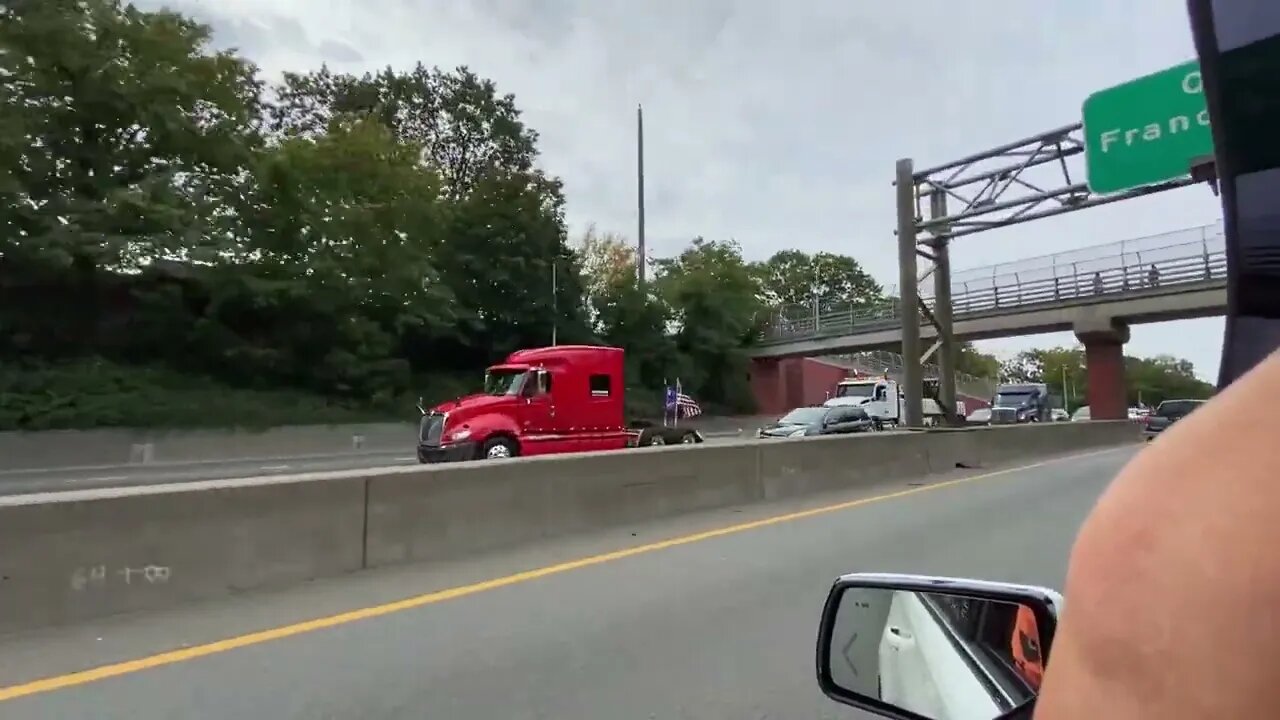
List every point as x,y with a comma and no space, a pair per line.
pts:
878,397
542,401
881,399
1022,403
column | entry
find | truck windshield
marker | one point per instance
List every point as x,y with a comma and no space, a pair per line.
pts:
1173,408
856,390
1012,399
504,382
804,416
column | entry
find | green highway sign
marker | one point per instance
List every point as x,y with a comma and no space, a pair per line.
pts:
1146,131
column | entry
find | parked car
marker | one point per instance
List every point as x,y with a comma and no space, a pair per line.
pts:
818,420
1059,415
1081,414
1167,413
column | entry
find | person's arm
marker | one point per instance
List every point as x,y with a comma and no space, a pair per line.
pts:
1173,590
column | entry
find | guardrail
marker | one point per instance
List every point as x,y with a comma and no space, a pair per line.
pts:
1109,271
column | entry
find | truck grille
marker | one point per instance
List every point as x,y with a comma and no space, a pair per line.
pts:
1003,415
431,428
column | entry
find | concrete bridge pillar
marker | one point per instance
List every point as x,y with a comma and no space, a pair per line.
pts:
1103,339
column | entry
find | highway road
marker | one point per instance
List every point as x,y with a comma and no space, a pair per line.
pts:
17,482
713,625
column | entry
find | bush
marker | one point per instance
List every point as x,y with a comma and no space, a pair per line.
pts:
96,393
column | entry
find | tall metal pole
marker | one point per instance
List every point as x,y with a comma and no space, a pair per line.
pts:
641,258
554,301
909,298
942,310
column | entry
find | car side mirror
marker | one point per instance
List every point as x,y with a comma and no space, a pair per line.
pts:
921,647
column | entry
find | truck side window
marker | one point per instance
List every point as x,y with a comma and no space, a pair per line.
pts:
601,385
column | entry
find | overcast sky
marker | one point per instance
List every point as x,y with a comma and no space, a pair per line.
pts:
774,123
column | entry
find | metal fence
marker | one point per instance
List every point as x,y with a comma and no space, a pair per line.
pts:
1190,256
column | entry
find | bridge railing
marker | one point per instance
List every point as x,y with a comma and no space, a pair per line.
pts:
1131,267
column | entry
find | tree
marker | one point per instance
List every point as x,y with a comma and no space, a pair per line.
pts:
714,296
465,128
352,212
514,277
1148,380
607,260
793,277
125,133
1151,381
343,226
978,364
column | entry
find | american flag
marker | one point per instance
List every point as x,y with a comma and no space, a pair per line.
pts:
682,405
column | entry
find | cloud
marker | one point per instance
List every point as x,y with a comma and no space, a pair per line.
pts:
777,124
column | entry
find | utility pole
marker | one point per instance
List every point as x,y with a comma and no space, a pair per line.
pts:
909,298
641,258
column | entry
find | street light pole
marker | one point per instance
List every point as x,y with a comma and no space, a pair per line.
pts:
640,249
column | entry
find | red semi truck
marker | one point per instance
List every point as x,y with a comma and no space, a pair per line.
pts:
542,401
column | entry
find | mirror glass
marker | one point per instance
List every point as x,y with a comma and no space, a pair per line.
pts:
940,656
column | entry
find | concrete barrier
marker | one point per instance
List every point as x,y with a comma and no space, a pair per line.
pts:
62,449
70,557
59,449
111,552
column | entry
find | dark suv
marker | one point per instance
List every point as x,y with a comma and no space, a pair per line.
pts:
818,420
1169,412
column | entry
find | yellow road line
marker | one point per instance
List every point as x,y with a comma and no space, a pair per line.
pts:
58,682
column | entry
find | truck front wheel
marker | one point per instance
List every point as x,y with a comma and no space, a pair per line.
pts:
499,447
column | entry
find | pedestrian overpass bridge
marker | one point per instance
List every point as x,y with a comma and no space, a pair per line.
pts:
1097,292
1134,281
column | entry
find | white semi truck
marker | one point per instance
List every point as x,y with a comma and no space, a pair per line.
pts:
884,401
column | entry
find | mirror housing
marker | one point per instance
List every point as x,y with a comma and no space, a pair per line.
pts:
916,647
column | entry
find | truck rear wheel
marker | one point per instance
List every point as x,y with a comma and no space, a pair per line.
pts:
498,448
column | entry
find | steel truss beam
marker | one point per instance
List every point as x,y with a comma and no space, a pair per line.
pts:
994,191
1021,181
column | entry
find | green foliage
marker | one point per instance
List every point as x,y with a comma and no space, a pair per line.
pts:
1148,380
978,364
716,308
123,133
183,246
792,277
1154,380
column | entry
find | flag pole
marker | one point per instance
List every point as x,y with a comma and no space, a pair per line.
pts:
665,388
675,415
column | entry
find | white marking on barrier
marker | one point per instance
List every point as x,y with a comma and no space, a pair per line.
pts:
95,576
144,453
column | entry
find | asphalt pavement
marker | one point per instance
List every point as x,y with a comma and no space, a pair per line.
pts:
18,482
715,626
